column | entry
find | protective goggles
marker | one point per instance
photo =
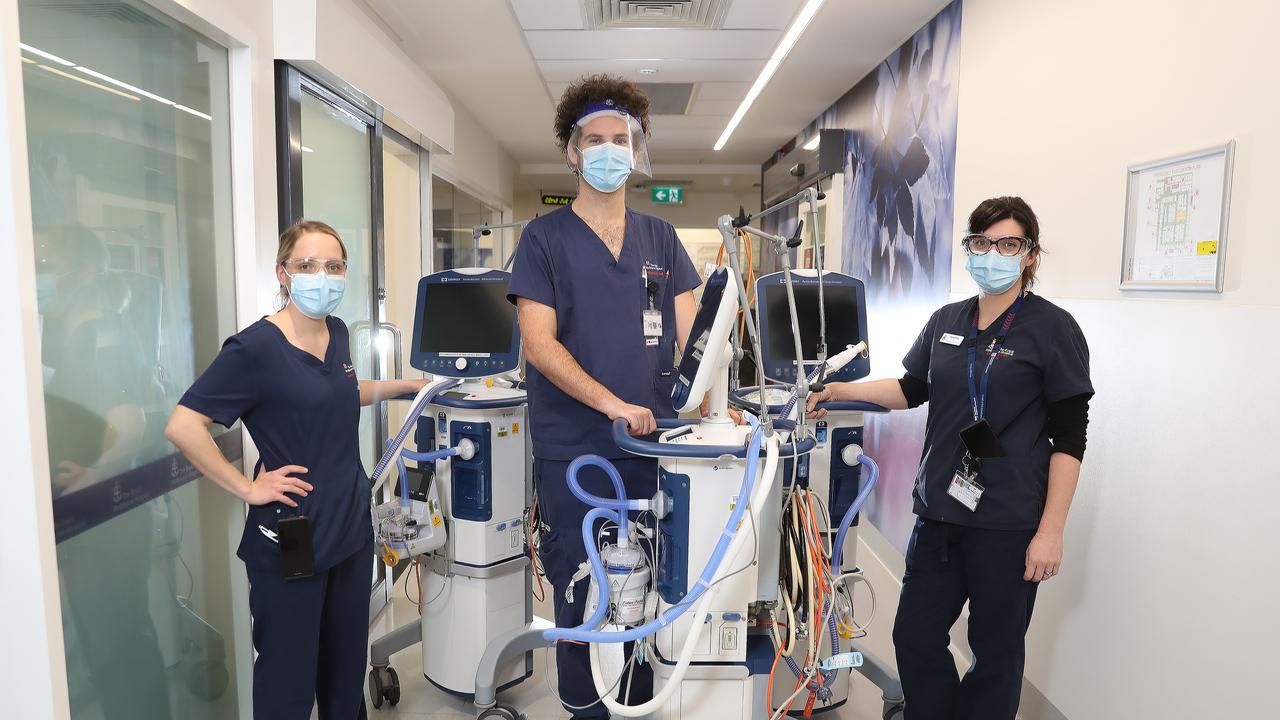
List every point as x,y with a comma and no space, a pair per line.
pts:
606,123
1006,245
309,266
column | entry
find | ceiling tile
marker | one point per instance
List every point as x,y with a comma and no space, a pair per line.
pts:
679,44
548,14
718,108
725,90
767,14
668,70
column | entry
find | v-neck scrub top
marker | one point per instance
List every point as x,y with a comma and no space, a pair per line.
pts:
1044,359
300,410
599,303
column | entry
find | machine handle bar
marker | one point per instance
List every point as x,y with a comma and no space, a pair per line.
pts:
649,448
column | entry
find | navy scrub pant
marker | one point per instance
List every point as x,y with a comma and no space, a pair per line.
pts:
947,565
312,638
561,551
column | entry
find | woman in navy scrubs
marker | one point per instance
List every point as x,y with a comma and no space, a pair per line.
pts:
1006,376
289,377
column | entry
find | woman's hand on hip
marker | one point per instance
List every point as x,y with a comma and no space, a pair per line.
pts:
1044,557
272,486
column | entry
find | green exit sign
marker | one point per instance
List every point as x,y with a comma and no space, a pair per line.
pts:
668,195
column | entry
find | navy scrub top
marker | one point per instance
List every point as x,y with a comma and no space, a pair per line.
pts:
299,410
1044,359
562,263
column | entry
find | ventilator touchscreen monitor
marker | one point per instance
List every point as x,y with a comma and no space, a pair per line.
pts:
844,298
464,325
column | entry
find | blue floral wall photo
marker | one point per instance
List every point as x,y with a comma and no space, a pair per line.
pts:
900,167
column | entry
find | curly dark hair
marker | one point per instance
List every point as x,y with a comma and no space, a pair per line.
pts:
598,88
991,211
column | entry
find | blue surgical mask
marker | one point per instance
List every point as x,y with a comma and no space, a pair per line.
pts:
316,294
993,272
606,167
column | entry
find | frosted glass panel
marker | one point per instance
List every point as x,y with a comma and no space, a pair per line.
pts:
127,133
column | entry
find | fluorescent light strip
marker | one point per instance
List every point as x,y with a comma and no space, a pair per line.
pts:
45,55
788,41
29,61
125,85
813,143
197,113
90,83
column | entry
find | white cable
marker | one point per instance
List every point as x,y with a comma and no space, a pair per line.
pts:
763,486
859,577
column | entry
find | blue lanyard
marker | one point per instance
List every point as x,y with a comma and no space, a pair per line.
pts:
976,399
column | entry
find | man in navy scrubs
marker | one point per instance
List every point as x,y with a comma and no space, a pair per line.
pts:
605,301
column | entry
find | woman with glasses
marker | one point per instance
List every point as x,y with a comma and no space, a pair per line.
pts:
1006,377
308,541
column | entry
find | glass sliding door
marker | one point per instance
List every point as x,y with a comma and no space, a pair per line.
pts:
455,213
128,138
339,164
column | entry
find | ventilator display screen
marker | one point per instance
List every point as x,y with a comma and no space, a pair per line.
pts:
841,303
467,317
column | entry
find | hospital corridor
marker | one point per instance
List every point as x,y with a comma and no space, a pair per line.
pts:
659,359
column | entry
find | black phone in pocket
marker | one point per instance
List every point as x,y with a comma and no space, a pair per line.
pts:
981,441
297,556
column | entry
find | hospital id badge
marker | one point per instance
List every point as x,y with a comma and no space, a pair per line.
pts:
652,323
965,488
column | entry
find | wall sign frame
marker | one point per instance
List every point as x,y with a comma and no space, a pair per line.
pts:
1175,222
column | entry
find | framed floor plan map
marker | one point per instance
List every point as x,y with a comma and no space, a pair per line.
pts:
1175,225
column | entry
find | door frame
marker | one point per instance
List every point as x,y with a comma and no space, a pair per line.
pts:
291,83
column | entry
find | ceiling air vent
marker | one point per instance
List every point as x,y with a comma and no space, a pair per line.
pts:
668,14
668,98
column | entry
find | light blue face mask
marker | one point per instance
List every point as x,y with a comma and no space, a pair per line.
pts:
993,272
606,167
316,294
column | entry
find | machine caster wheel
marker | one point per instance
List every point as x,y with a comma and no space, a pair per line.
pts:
894,711
381,690
501,712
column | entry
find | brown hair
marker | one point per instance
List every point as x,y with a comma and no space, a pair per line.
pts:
990,212
597,89
289,238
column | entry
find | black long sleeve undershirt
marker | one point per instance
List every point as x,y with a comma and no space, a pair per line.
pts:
1068,419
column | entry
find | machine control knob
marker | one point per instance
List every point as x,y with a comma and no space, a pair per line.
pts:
460,363
849,455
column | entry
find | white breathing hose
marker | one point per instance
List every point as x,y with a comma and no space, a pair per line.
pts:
699,614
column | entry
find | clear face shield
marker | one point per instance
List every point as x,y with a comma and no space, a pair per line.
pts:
606,146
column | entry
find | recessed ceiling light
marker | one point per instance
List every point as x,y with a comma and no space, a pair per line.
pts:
813,142
648,71
788,41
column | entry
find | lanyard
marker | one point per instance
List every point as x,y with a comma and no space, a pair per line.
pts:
976,399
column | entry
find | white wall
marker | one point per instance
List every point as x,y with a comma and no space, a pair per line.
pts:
33,676
478,164
338,38
1164,608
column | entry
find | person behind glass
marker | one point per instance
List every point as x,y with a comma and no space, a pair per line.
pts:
1006,377
289,377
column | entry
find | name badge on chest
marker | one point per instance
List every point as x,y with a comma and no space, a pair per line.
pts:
951,339
965,488
653,323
